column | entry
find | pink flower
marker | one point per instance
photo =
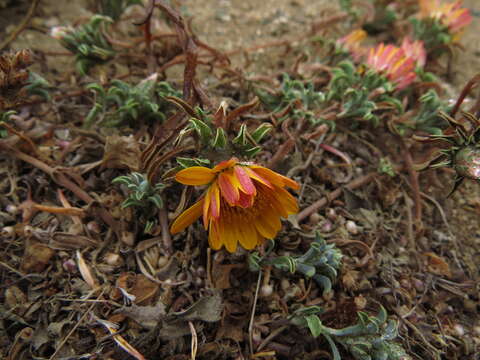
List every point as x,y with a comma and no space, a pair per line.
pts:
415,50
392,61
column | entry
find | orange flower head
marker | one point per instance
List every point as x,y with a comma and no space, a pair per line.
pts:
352,43
394,63
452,15
242,204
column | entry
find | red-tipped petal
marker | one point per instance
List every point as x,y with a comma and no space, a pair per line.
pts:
246,183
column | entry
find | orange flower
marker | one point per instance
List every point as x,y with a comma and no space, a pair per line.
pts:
452,15
352,43
243,203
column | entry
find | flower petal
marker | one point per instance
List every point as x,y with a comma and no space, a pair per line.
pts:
229,237
228,188
195,175
248,236
206,207
275,178
246,183
214,235
253,175
225,165
214,193
287,201
268,225
187,217
245,201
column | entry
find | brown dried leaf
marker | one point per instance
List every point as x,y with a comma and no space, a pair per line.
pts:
14,297
208,308
121,152
436,265
147,316
230,330
36,257
137,285
85,271
66,241
221,275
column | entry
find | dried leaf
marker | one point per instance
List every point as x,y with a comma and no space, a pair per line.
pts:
230,330
121,152
66,241
147,316
36,257
221,275
85,271
113,329
208,308
437,265
137,285
14,297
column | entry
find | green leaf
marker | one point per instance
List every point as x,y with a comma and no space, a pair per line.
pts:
314,324
156,200
93,114
220,140
333,347
241,138
189,162
261,131
203,130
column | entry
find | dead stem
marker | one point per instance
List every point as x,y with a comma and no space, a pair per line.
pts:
33,6
85,314
62,180
166,237
252,316
414,185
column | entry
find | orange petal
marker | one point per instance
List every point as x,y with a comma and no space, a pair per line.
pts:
288,202
274,199
214,192
206,208
248,236
195,175
187,217
255,176
275,178
268,225
214,235
229,237
225,165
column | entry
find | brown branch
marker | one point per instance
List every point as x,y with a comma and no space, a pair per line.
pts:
62,180
354,184
414,184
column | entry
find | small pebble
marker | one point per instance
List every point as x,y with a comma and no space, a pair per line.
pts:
352,228
266,290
